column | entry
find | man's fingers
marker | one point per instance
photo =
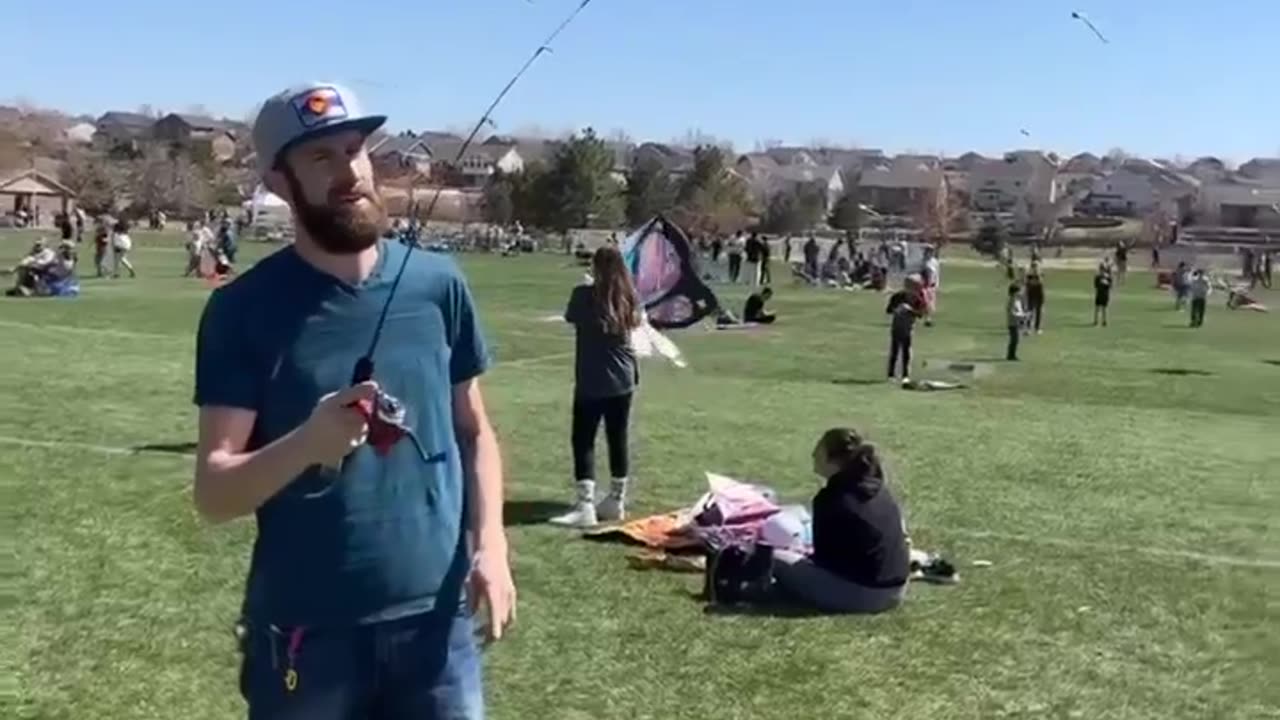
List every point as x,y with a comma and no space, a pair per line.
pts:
361,391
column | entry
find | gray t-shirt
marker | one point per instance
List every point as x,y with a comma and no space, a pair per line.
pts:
604,364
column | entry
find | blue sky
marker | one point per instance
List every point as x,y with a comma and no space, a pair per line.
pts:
1179,76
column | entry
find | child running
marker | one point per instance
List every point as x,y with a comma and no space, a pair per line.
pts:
1101,294
605,376
861,553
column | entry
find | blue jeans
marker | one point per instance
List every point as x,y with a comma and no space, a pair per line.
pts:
422,667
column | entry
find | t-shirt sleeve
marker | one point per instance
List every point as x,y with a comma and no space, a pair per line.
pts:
227,374
469,355
574,312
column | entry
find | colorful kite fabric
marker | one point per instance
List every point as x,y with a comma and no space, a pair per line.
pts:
661,262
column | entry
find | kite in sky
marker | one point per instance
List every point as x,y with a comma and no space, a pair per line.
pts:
1085,20
661,263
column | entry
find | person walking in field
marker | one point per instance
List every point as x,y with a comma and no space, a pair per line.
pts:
1035,296
904,308
101,242
1014,317
369,564
121,245
1101,294
1201,289
737,246
606,376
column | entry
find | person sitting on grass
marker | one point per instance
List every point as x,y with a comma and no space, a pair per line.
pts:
30,271
754,311
861,553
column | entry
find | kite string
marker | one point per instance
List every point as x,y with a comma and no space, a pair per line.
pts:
364,368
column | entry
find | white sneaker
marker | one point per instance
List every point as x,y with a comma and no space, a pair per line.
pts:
583,515
611,509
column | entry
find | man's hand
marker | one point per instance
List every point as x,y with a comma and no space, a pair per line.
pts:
490,584
335,428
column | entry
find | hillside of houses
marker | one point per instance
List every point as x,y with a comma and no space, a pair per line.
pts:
1029,190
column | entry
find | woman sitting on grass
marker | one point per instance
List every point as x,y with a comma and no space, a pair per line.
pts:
861,554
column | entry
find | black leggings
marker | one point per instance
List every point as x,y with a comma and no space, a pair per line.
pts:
587,413
1037,308
900,347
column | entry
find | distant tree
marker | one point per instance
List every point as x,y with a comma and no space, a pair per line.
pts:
990,238
97,182
710,199
582,191
939,216
768,144
847,213
498,206
795,210
649,191
172,183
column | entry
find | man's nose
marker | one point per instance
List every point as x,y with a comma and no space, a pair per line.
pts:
344,173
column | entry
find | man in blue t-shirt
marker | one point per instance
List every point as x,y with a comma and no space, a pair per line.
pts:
366,570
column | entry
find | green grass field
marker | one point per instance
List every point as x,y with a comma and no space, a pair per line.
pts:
1124,482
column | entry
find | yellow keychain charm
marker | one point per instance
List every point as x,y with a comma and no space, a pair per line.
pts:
291,680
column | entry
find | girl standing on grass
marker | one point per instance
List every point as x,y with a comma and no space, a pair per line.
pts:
1101,293
121,244
605,377
1035,295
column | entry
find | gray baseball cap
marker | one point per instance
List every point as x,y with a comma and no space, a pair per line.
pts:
303,112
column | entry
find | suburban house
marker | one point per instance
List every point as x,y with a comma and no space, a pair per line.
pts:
671,158
1239,203
1085,163
35,192
1263,170
755,167
1208,170
828,179
1139,188
965,163
903,190
399,155
197,132
80,134
530,149
1022,179
123,130
477,165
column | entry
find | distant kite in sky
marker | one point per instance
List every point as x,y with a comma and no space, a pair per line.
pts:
1025,133
1085,20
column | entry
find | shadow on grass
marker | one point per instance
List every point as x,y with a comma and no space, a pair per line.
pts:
772,610
518,513
1181,371
182,448
1272,362
859,381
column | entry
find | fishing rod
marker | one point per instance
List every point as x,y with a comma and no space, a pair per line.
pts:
364,367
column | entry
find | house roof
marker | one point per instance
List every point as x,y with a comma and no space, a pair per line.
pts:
1160,175
125,119
1249,194
1085,162
200,122
1258,168
792,155
34,182
901,177
383,145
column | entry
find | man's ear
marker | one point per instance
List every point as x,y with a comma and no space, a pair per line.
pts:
274,181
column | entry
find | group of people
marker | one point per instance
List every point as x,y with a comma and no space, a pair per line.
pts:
46,272
210,254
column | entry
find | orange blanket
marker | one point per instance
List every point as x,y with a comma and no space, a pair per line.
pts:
661,531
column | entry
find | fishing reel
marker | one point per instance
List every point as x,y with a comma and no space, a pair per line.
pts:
384,413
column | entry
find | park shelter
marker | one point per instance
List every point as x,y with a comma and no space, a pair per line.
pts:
35,191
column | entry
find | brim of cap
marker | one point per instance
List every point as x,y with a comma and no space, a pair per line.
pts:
366,125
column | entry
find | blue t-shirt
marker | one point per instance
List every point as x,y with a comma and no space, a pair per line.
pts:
384,537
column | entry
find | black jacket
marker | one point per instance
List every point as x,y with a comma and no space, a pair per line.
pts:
858,532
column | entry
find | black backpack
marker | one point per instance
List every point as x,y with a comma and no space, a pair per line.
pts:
737,574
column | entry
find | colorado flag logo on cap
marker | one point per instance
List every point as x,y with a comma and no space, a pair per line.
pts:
318,106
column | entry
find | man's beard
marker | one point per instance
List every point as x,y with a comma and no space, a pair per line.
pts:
339,226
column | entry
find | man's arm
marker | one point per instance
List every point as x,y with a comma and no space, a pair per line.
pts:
231,482
482,465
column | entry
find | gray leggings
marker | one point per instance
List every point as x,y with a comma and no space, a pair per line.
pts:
801,579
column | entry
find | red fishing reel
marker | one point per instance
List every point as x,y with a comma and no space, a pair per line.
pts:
386,418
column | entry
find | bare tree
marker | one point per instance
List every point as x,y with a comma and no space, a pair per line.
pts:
768,144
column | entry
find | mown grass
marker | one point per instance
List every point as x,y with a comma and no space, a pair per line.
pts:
1129,510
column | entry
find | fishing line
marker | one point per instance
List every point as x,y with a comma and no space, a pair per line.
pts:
363,370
